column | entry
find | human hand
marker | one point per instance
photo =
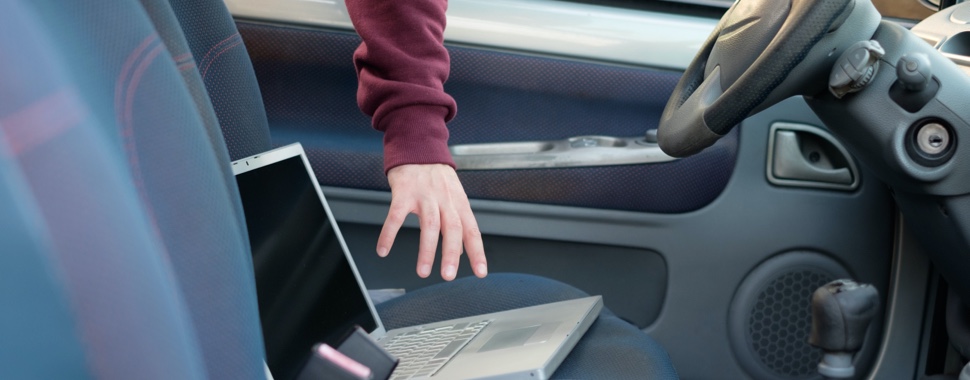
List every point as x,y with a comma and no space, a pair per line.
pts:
434,193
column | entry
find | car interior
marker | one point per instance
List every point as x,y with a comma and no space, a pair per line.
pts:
757,189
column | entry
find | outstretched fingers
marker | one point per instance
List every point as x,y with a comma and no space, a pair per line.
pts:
451,234
435,194
473,243
430,222
395,219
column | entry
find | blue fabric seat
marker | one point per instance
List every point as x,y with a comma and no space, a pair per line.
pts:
85,288
119,120
176,167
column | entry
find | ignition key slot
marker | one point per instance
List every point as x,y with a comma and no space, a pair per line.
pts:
931,142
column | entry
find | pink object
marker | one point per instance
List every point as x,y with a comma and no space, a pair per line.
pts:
343,361
402,66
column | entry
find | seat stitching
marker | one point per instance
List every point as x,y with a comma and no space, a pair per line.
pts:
182,57
127,66
186,66
134,82
128,133
204,58
206,70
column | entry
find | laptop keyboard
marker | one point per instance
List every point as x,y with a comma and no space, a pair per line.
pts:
424,352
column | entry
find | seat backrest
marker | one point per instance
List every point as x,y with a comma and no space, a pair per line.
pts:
154,126
224,66
85,289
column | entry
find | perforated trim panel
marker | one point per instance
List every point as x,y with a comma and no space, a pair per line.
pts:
771,316
780,322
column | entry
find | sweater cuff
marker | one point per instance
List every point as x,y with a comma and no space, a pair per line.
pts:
416,135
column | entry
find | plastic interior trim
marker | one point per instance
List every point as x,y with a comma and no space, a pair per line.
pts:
572,152
908,288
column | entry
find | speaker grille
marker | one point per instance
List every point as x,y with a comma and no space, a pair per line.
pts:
770,316
781,320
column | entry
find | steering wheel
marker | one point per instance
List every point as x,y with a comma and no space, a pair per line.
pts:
761,52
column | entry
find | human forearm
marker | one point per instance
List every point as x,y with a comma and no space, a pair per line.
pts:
401,67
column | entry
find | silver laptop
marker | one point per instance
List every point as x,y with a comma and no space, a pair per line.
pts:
310,291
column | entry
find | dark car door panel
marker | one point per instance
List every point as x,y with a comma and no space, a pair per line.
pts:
715,258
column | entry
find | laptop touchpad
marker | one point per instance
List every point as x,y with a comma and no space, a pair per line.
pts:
510,338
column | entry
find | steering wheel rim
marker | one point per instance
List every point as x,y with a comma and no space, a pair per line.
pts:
702,109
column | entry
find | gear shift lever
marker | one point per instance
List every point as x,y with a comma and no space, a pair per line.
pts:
841,312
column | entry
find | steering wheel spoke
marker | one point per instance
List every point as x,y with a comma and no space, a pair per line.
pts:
762,52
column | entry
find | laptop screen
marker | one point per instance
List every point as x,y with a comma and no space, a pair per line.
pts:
305,285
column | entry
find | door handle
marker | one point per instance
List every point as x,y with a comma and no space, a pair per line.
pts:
806,156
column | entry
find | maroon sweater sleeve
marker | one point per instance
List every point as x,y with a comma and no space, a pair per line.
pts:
402,65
